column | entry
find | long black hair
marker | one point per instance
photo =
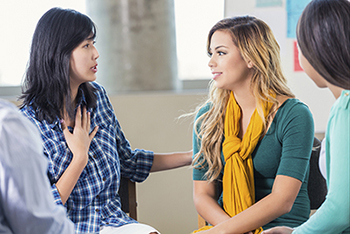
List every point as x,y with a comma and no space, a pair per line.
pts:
47,84
323,35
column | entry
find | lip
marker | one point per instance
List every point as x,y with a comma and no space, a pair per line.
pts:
216,75
94,68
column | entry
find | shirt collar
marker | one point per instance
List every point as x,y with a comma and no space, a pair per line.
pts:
81,101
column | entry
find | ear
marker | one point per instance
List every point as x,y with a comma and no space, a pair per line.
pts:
250,64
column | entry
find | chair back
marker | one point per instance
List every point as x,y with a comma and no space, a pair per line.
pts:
317,186
127,193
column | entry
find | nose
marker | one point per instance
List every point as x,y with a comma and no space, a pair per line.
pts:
96,54
212,62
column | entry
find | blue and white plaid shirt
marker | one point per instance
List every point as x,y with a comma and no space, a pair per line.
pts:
94,200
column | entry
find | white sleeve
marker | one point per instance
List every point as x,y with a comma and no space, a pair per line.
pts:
322,159
27,204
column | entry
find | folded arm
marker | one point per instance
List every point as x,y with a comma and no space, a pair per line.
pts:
277,203
204,197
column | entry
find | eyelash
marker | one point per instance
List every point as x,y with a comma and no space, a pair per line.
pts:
220,53
88,44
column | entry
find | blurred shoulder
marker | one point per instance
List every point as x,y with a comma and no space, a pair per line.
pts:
204,109
8,110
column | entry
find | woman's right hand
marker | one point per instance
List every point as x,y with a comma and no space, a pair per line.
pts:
279,230
79,141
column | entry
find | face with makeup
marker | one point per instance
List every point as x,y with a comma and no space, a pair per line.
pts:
229,69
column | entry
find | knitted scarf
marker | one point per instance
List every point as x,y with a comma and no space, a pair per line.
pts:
238,179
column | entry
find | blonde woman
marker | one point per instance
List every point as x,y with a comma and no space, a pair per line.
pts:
252,134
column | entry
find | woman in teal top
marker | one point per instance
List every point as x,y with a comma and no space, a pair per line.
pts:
279,153
275,145
324,45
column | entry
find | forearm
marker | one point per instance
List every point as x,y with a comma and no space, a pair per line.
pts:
167,161
205,201
209,209
329,218
334,214
69,178
261,213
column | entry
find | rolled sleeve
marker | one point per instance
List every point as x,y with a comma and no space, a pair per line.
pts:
137,165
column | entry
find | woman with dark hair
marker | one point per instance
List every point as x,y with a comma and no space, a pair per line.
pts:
47,83
252,134
323,36
61,98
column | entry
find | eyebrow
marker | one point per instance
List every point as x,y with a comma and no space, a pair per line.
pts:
218,47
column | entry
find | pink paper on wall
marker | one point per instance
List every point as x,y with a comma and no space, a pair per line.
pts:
297,66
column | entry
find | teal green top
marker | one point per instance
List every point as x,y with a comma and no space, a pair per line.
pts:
333,216
284,150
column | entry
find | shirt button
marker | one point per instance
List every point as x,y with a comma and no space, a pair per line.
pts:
97,210
104,179
97,196
346,94
107,223
94,156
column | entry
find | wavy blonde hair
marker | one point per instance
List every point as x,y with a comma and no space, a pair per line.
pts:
257,44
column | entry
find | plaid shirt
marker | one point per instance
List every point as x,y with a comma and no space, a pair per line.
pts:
94,200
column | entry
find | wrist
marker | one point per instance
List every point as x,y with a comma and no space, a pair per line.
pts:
80,160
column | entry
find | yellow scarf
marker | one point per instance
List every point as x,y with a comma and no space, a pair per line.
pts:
238,179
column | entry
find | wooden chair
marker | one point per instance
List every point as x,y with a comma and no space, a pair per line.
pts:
317,187
127,193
